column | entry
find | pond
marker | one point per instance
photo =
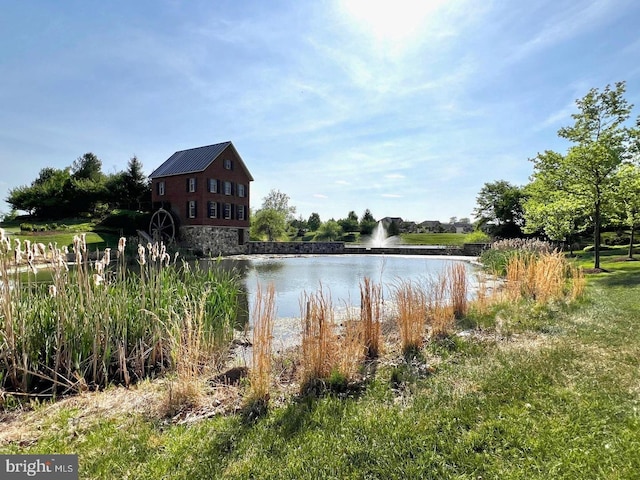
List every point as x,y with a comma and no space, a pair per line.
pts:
339,275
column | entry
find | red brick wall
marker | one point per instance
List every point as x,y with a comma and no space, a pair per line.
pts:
176,194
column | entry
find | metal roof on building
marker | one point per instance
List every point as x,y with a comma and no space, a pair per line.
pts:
191,161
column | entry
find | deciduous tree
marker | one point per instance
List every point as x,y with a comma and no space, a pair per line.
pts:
627,198
601,142
499,208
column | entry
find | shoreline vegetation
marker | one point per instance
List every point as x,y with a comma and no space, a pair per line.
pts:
522,380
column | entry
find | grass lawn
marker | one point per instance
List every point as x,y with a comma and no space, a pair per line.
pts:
534,394
433,238
95,240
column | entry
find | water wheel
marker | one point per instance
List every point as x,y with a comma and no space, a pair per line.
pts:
162,227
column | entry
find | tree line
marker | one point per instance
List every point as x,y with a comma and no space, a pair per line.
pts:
276,218
594,184
82,188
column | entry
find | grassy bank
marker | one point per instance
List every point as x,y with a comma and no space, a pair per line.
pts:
433,238
529,392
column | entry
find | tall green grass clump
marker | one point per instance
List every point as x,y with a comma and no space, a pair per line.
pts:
99,322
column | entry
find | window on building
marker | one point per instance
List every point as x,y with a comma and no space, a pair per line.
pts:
240,210
191,184
227,211
213,210
228,190
241,190
213,185
228,165
160,188
192,209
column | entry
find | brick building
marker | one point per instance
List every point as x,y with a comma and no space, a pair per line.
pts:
206,192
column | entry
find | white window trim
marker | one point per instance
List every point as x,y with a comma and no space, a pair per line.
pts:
213,208
161,188
227,211
192,184
192,209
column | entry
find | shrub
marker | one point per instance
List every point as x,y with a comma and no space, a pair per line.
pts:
477,237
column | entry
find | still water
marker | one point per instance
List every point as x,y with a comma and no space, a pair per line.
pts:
339,275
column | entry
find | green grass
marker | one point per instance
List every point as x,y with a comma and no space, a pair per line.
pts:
95,240
433,238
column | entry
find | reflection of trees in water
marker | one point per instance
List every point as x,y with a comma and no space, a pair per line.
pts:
242,319
268,267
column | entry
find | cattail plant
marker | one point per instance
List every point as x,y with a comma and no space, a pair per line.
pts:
91,326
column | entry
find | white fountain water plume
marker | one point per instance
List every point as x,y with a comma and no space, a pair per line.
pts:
379,237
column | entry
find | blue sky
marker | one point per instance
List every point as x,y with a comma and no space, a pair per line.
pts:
403,107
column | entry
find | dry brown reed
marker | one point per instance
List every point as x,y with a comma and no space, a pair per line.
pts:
412,311
190,357
538,277
440,308
578,282
264,312
485,295
458,288
318,337
371,316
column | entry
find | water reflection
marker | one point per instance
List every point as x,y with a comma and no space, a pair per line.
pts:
338,274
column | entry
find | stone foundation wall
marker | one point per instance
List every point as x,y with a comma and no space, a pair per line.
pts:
213,241
293,248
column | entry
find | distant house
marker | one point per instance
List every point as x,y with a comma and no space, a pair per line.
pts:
430,226
463,227
386,221
206,190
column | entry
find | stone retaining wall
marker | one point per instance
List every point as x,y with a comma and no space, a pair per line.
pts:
215,241
293,248
326,248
